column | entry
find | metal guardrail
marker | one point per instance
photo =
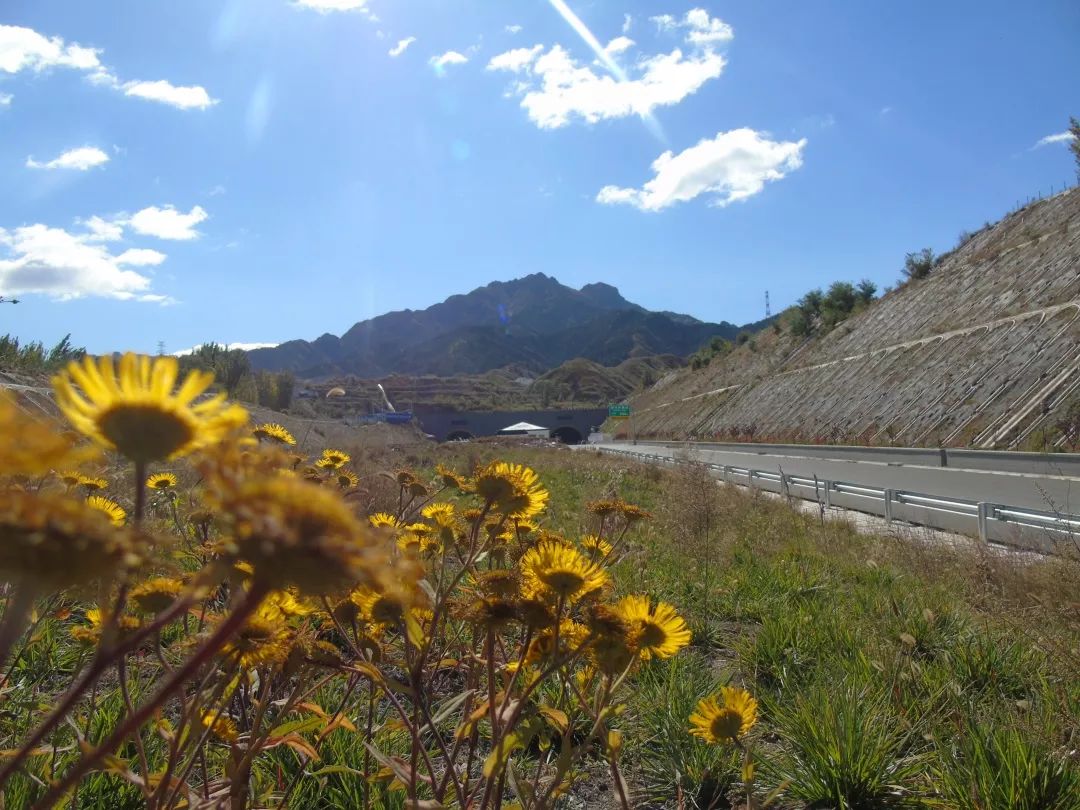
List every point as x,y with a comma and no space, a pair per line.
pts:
996,522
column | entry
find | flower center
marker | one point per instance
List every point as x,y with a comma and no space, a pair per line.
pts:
145,432
563,583
652,634
726,725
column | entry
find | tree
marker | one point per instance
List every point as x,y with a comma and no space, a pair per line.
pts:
1074,144
919,264
866,291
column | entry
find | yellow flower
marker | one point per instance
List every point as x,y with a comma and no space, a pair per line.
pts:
661,631
384,609
33,446
114,511
614,645
347,479
512,489
162,481
728,718
335,458
451,478
135,410
264,639
560,570
572,636
222,727
490,612
274,432
380,519
293,532
438,512
155,595
70,478
91,633
499,582
603,508
92,484
283,604
597,546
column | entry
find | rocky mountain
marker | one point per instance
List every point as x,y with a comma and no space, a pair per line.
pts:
532,323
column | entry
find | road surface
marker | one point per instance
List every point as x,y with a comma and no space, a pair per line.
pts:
1048,493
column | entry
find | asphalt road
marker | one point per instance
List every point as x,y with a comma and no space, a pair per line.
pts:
1026,490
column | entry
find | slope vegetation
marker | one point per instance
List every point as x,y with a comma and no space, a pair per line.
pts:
984,352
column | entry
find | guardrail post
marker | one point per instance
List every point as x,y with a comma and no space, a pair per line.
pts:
944,457
784,485
828,494
889,495
986,510
727,474
750,480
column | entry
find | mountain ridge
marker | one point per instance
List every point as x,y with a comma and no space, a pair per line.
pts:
534,322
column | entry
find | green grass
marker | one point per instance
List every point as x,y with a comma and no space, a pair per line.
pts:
890,674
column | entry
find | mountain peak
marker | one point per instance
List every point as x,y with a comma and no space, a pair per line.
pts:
605,295
533,322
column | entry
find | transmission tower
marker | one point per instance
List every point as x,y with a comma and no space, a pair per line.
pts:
161,347
768,311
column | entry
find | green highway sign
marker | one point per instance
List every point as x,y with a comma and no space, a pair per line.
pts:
616,411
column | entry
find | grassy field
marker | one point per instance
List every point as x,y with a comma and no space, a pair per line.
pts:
886,673
890,674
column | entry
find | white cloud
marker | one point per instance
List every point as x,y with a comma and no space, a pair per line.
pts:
81,158
562,88
5,99
399,49
64,265
326,6
701,29
141,257
513,29
1058,137
216,191
184,98
516,60
247,347
449,58
26,49
102,230
167,222
706,30
664,22
732,166
619,44
627,23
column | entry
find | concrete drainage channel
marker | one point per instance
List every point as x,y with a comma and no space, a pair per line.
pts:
1028,529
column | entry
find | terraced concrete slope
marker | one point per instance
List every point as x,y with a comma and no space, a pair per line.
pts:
985,352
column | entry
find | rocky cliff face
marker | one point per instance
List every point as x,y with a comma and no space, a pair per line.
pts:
985,352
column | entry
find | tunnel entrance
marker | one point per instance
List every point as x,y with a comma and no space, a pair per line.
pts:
567,435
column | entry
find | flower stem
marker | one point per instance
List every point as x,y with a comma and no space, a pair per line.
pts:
16,613
133,721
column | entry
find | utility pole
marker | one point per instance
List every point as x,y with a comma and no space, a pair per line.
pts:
768,311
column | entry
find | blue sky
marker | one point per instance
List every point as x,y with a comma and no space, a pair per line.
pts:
259,170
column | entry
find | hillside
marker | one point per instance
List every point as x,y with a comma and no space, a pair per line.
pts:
985,352
575,383
533,323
